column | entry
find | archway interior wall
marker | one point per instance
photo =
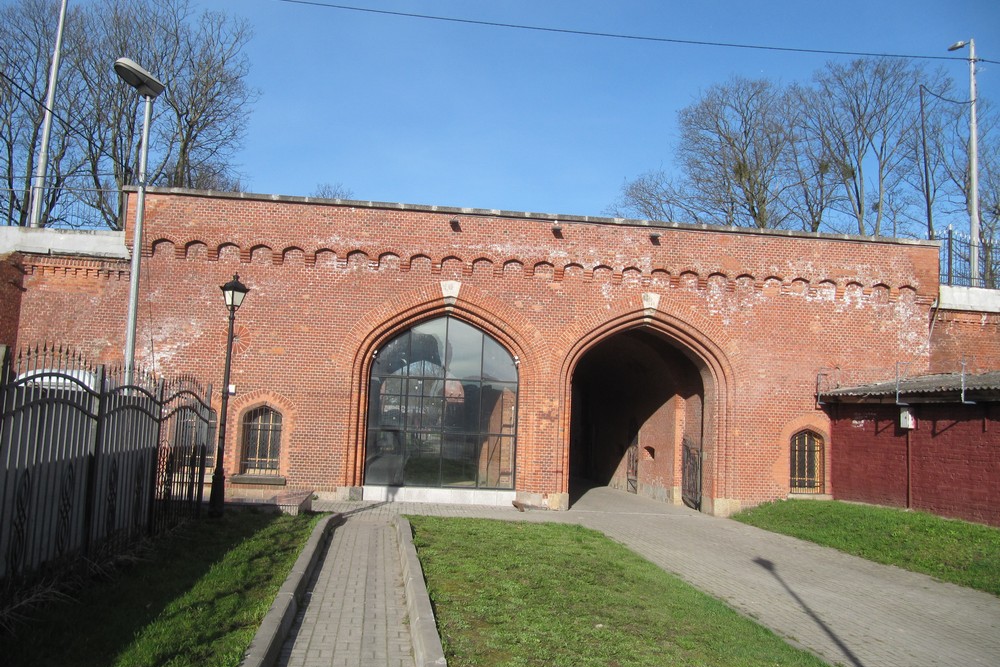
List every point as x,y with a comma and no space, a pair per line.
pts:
636,388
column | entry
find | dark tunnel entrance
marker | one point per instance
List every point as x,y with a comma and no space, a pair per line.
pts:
638,403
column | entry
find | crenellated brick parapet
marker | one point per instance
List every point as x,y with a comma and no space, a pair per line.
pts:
289,231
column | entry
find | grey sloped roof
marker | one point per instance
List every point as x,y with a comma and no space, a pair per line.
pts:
941,386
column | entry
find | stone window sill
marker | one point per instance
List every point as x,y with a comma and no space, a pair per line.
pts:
267,480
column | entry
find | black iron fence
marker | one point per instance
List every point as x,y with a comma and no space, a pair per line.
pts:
91,465
956,262
75,206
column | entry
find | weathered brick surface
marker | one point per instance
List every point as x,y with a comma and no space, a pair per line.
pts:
972,338
11,277
757,314
949,464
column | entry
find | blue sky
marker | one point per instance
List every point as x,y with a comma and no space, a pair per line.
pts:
429,112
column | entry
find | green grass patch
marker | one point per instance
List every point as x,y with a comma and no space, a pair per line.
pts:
524,594
196,597
967,554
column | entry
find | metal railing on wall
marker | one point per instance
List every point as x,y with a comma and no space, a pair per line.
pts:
90,465
74,207
956,265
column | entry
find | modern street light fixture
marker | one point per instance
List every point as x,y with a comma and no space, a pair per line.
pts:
234,292
973,163
149,87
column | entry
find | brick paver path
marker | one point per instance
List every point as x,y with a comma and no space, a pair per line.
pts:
356,613
847,610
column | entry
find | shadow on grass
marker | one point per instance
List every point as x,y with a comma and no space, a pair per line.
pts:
105,617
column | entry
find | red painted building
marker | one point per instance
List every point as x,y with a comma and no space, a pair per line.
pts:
397,351
930,443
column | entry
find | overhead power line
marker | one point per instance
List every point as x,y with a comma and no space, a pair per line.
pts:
65,123
612,35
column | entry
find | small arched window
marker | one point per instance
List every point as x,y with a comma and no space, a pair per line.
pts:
261,442
806,463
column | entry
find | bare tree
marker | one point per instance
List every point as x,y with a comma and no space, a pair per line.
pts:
332,191
734,148
928,149
989,209
863,113
814,189
27,36
735,151
199,121
654,196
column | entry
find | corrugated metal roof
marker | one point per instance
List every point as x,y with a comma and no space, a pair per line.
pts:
923,384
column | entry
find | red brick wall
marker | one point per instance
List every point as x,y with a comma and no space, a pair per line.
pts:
954,458
958,336
11,276
759,314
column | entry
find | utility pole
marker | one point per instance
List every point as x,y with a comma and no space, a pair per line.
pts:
38,183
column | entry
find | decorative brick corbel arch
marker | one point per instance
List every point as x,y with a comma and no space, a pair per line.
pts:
692,335
376,327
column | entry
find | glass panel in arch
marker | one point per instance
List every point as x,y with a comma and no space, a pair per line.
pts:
384,457
464,353
458,460
496,462
394,356
499,408
423,459
427,345
462,406
498,364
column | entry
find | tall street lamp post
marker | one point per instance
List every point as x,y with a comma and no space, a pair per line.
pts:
149,87
38,186
234,291
973,163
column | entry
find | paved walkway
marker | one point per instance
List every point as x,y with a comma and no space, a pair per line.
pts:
356,609
847,610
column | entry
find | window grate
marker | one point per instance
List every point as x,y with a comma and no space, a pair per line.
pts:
261,442
806,463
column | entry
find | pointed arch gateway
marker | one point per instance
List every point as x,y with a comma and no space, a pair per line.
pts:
649,403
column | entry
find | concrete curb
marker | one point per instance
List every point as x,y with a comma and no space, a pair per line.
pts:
270,636
427,649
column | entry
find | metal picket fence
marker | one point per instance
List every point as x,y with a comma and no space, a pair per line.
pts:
91,465
955,259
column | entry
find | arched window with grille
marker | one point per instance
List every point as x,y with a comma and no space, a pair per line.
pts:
442,409
806,463
261,442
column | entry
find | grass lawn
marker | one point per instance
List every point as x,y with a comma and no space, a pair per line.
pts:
526,594
967,554
197,598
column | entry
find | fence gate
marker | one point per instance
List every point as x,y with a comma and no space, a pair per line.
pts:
691,483
632,469
89,464
632,457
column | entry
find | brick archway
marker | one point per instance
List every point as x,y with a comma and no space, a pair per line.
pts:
703,357
450,298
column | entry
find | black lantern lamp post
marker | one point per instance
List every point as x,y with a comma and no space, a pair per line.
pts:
234,291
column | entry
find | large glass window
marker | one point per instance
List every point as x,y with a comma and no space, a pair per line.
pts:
442,409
